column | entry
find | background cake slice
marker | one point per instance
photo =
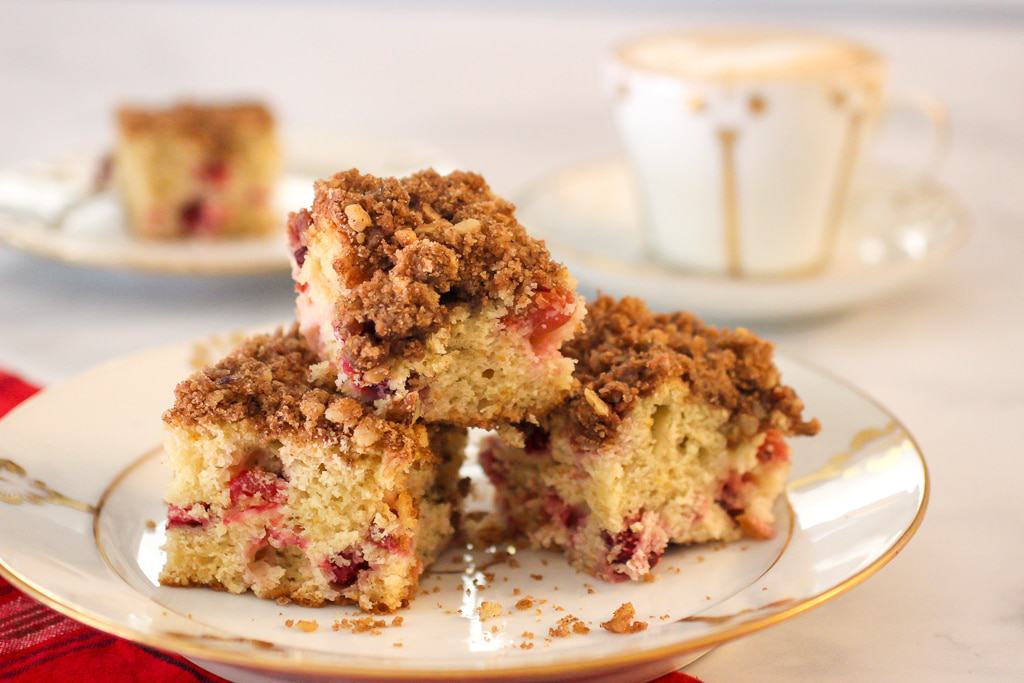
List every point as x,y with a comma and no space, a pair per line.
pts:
283,487
675,435
197,170
431,300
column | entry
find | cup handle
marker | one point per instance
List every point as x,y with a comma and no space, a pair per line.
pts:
930,110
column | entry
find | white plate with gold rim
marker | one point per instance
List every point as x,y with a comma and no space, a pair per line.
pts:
81,481
52,210
899,227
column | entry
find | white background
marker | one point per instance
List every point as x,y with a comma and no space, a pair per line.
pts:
514,93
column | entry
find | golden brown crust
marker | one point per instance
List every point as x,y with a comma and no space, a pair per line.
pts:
267,382
213,126
627,351
415,248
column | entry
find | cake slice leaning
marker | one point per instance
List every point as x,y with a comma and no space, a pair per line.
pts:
284,487
676,434
430,300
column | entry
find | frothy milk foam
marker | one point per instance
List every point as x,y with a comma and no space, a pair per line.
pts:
743,54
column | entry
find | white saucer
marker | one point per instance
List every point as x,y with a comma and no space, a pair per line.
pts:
51,210
74,505
900,227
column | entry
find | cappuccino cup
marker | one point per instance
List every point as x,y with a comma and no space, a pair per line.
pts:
744,144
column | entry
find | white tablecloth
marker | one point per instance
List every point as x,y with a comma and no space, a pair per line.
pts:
514,94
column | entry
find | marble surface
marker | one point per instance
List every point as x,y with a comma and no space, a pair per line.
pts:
514,94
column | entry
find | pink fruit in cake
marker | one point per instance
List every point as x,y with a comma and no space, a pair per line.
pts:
214,172
202,217
569,516
178,516
635,550
550,310
297,224
282,537
495,469
535,439
733,494
344,567
774,448
382,539
257,489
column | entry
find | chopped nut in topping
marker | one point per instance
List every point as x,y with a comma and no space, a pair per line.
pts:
623,620
599,406
466,226
358,219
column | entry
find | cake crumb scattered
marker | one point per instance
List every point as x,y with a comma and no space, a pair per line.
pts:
623,620
488,610
590,589
283,600
151,525
398,621
525,603
566,626
537,577
304,625
526,634
525,645
396,645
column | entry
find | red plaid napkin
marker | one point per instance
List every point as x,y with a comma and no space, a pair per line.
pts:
38,644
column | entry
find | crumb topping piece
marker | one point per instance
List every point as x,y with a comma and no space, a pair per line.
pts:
489,610
568,625
211,126
627,351
623,621
268,381
415,248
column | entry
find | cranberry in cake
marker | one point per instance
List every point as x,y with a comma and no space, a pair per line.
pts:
194,170
676,434
284,487
430,300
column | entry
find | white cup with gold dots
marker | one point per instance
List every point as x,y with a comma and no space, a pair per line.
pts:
745,143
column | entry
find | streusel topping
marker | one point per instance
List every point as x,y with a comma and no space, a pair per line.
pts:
416,247
270,381
210,125
627,351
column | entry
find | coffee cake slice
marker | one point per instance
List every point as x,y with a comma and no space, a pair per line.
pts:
430,299
284,487
194,170
676,434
